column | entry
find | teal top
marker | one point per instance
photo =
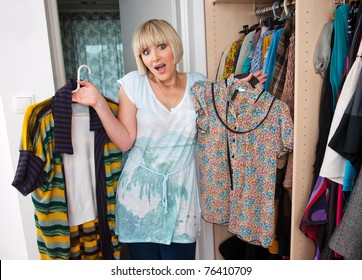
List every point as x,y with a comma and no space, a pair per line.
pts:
340,49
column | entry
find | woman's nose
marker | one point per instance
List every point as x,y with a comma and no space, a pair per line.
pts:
155,56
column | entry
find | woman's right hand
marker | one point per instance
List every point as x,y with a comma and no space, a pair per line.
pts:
87,94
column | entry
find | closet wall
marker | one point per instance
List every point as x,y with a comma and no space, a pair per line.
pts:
224,19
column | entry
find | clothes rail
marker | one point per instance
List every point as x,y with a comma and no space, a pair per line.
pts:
267,9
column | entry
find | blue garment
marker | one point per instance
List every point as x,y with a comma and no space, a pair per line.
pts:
340,49
257,60
272,56
349,177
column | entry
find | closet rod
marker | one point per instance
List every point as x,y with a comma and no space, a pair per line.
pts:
267,9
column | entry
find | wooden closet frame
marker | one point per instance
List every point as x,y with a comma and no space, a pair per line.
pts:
224,19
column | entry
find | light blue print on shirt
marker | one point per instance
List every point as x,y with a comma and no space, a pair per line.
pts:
141,215
150,228
155,225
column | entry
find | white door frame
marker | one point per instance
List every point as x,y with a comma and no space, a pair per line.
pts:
55,42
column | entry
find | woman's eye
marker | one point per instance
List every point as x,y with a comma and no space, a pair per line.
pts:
162,46
146,52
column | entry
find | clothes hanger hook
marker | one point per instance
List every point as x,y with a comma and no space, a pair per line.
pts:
78,75
285,4
274,12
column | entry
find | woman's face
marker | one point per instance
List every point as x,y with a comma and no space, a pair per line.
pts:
159,60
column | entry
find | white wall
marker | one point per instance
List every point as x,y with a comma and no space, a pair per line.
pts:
25,68
12,239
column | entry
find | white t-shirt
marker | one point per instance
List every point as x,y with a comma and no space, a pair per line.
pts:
79,169
157,195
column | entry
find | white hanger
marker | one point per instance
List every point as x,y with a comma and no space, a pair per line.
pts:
274,12
285,4
78,75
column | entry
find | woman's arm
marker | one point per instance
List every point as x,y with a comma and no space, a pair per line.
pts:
121,129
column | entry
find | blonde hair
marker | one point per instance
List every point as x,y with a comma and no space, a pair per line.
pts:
155,32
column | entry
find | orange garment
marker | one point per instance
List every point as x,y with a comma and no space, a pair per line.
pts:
266,43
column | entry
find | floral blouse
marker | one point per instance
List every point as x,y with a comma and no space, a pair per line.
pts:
241,132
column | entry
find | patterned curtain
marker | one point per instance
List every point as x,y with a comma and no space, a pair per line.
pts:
94,39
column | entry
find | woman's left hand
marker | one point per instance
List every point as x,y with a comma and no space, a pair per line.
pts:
88,94
260,76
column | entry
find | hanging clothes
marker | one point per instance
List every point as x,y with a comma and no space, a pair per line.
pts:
347,238
340,48
323,50
288,98
257,60
239,142
245,69
347,139
334,164
357,31
46,137
280,68
244,51
222,62
271,59
232,57
324,210
325,118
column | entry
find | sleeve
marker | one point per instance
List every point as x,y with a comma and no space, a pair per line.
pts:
322,51
198,91
128,82
286,124
29,174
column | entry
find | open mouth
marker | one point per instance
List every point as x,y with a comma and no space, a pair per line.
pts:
160,68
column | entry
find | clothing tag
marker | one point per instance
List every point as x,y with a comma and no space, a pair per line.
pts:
237,90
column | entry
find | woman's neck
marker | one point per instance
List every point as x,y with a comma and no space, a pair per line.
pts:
174,81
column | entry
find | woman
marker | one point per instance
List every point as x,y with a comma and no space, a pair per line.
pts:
157,208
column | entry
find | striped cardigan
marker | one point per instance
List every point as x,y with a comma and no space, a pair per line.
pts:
46,135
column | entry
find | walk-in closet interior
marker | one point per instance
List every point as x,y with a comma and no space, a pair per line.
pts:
307,191
225,21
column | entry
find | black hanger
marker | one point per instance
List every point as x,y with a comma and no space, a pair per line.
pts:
254,27
269,22
253,81
245,30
